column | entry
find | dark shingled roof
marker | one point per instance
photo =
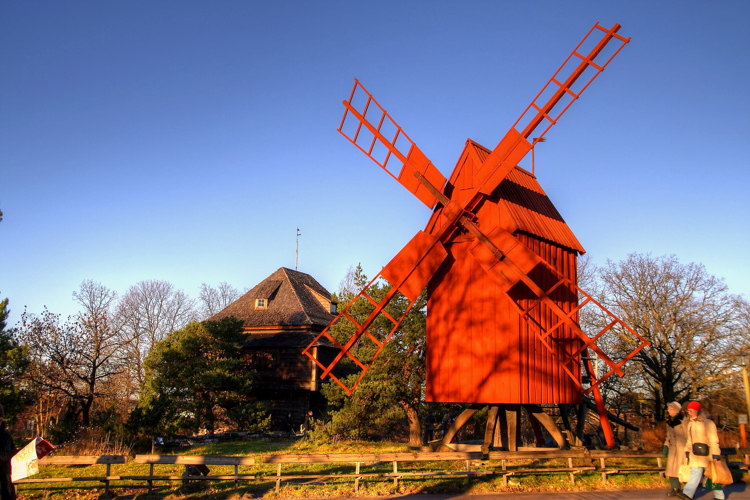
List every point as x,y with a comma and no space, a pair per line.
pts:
294,299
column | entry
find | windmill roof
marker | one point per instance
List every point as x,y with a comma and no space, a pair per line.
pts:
294,299
528,206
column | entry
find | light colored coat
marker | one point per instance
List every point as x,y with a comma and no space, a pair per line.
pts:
702,430
676,438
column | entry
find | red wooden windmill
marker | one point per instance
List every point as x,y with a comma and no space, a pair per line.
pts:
498,261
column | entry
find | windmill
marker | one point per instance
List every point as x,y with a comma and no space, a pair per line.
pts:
499,265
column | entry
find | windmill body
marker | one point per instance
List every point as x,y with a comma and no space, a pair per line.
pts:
479,348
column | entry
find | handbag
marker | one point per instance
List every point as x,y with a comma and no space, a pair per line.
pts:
710,485
684,473
700,449
719,472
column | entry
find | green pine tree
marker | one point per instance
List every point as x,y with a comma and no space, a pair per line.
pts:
13,363
392,391
197,378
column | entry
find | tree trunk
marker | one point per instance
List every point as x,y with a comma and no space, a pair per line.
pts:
86,411
415,426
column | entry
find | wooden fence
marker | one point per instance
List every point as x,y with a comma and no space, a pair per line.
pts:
400,466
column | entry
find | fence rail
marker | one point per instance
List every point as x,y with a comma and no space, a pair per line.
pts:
371,466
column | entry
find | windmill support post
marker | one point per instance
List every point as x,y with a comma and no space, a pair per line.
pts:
536,427
503,426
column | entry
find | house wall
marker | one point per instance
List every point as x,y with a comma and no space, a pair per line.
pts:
282,368
288,407
285,379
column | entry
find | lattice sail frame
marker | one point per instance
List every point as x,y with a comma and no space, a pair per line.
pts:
567,84
379,137
570,361
363,330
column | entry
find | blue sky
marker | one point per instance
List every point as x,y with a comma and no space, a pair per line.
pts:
186,141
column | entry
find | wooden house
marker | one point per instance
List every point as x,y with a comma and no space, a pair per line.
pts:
281,316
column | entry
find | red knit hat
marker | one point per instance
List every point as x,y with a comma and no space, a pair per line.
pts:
694,405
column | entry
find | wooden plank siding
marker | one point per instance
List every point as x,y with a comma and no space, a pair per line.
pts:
480,349
284,368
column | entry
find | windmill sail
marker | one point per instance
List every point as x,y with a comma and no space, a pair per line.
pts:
368,126
405,276
360,332
565,87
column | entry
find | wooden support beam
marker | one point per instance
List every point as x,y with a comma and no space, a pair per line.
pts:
489,430
537,412
458,424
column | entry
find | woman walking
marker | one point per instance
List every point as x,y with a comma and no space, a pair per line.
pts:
702,445
674,445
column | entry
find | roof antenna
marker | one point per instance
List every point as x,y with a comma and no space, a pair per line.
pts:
296,252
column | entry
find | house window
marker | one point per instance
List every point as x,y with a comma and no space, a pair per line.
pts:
261,304
333,307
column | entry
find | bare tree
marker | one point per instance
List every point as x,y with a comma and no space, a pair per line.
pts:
686,314
214,300
743,325
148,312
99,317
586,274
76,360
352,283
96,299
